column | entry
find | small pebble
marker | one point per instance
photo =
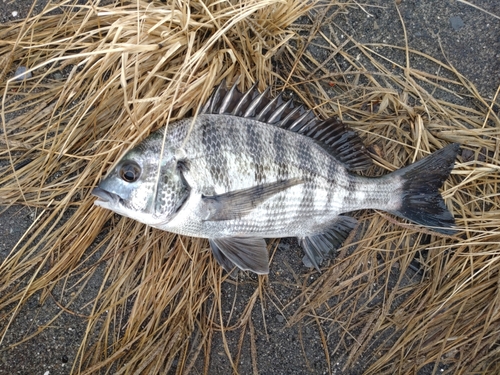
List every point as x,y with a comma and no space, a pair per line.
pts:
456,22
284,246
64,359
21,72
14,14
467,155
280,318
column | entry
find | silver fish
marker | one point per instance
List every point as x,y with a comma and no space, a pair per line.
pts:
249,167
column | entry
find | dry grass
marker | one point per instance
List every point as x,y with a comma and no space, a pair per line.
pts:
129,69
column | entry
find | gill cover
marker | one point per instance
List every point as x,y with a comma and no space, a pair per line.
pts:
136,188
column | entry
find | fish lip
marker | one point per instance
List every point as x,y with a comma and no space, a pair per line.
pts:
103,195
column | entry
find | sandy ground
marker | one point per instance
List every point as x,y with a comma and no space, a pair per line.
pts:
449,30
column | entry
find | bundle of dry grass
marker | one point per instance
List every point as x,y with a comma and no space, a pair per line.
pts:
106,76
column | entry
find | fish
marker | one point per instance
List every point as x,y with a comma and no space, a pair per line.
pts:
250,167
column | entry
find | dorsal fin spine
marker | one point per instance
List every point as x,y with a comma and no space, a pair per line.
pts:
297,123
227,98
269,106
238,109
275,117
216,95
250,111
293,112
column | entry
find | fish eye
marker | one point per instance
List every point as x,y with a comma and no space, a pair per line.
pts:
130,172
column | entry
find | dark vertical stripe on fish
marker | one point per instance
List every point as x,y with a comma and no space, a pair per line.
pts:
351,191
281,171
305,164
330,192
254,146
280,156
212,141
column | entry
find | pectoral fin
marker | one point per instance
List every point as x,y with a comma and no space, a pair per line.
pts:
238,203
246,253
320,245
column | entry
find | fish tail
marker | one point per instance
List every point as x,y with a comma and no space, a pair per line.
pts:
421,201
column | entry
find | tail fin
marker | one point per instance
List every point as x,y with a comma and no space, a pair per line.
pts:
421,202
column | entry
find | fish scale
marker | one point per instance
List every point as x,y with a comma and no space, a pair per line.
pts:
300,164
250,167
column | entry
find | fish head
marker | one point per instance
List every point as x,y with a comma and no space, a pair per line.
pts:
143,186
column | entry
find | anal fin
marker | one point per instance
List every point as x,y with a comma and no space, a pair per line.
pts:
318,246
246,253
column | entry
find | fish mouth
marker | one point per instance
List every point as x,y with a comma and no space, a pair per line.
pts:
104,196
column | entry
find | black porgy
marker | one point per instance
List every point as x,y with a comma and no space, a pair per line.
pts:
249,167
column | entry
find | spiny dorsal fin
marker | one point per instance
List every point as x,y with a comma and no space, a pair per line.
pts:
258,106
333,135
342,142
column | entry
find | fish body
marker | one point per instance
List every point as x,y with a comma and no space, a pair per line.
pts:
249,167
